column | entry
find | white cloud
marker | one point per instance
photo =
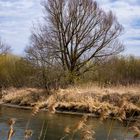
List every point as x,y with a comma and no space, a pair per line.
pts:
17,16
127,12
16,4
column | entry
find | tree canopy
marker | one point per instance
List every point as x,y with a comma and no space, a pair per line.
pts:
74,33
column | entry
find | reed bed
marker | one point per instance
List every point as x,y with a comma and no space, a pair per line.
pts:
83,99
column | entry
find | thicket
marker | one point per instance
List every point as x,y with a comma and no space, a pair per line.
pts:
118,70
19,72
15,71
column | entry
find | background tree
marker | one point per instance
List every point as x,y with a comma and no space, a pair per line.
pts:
16,72
116,70
4,48
74,33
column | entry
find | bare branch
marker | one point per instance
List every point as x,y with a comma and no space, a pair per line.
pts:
75,32
4,48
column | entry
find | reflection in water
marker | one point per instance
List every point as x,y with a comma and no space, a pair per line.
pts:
55,125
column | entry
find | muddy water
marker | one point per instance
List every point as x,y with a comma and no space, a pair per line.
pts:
54,125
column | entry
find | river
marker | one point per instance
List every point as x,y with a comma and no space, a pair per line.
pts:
55,124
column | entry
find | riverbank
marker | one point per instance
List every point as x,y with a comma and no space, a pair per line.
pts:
120,102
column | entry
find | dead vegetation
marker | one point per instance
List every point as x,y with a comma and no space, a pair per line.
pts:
23,96
11,132
86,133
120,102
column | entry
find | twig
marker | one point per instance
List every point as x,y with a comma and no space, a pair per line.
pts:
126,130
41,132
45,132
111,125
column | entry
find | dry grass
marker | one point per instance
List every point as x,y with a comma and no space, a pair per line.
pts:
95,89
24,96
81,126
83,98
11,132
119,102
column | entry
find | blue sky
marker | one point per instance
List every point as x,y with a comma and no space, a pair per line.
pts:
18,16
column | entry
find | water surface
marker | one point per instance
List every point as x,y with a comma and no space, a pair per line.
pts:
55,125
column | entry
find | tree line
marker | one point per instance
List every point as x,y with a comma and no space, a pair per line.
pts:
19,72
117,70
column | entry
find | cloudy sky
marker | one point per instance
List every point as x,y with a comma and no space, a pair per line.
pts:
17,17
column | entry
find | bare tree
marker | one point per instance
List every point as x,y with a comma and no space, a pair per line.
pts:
4,48
39,55
76,32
